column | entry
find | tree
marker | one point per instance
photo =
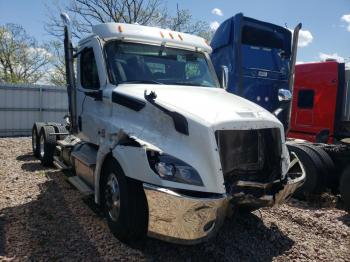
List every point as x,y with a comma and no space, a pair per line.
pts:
85,13
182,22
22,60
57,71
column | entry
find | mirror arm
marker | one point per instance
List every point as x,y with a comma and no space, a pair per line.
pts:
224,77
95,94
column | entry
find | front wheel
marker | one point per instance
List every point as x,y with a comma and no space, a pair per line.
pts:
125,204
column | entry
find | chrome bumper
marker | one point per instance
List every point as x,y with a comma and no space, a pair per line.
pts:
183,219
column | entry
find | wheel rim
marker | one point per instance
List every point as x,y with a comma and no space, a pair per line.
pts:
112,196
34,140
295,169
42,142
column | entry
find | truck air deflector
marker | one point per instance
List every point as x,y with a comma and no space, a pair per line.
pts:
128,101
180,122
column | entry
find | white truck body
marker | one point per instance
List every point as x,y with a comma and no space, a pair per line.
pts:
130,120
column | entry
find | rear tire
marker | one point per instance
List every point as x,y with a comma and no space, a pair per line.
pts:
344,187
47,145
61,129
312,184
35,138
124,203
320,166
330,178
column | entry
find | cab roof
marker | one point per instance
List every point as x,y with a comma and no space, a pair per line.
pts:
147,34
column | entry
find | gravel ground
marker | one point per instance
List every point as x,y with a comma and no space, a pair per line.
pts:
42,217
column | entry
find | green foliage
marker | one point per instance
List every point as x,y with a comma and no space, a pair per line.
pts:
57,74
85,13
22,60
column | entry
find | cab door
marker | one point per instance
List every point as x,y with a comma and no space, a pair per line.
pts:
91,108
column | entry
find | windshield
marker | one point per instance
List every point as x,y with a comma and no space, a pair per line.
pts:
142,63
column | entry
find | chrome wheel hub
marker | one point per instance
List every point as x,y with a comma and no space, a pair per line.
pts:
34,140
42,142
112,197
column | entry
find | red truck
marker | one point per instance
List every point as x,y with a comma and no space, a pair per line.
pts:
321,115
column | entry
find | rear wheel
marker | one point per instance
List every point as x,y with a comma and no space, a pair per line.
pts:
61,129
330,178
312,184
319,164
47,145
344,186
124,203
35,138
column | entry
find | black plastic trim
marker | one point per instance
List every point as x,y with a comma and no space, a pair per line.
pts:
97,95
180,122
128,101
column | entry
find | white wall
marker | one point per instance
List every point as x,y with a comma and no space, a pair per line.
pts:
21,105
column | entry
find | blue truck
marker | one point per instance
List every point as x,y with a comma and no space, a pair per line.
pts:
256,60
259,59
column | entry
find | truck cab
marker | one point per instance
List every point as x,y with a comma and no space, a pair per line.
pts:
162,147
258,56
320,109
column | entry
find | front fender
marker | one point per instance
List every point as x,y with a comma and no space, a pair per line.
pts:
102,154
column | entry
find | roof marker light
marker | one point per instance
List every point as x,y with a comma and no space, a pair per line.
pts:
171,35
161,34
180,37
120,29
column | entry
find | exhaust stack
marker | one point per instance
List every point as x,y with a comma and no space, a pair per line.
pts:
292,71
70,78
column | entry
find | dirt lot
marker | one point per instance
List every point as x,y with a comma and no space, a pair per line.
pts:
42,217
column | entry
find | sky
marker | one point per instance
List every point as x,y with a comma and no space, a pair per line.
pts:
325,32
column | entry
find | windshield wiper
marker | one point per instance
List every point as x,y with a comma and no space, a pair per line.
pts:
189,84
143,82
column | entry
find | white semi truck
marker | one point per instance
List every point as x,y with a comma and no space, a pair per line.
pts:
158,141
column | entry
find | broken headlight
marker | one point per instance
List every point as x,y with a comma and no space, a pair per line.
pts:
173,169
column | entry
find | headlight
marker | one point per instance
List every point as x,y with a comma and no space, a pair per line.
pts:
173,169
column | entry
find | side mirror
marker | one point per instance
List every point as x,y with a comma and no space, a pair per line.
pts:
224,77
284,95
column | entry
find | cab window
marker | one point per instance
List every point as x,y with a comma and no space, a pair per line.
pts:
88,70
306,99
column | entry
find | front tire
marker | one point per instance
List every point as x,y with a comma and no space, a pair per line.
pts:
124,203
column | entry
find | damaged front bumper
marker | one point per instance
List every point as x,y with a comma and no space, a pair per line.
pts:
254,195
188,219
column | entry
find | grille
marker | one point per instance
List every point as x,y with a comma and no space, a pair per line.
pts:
250,155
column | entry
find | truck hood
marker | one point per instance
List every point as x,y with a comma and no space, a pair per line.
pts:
206,110
213,106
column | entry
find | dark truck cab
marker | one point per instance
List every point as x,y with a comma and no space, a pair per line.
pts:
259,58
